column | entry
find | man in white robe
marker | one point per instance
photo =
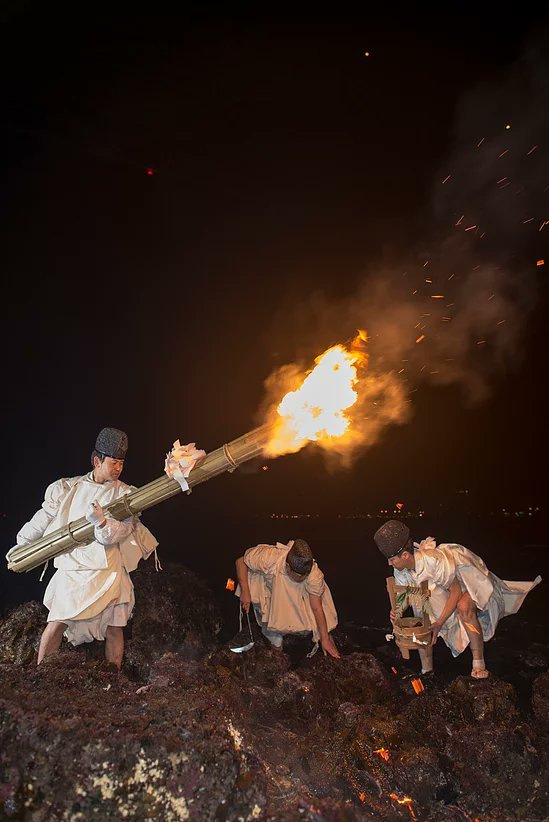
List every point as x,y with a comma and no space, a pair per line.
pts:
91,594
288,593
466,599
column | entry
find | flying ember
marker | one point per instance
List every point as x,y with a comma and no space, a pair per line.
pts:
315,412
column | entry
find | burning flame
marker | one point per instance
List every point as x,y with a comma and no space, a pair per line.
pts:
315,412
472,628
406,800
417,685
384,753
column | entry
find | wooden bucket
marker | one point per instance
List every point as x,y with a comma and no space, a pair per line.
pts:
404,630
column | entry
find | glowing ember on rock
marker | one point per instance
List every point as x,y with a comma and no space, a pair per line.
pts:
417,685
384,753
315,412
404,801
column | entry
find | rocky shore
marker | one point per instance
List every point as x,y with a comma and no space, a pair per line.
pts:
190,730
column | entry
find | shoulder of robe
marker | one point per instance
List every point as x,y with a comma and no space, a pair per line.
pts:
432,557
451,546
262,545
432,553
126,489
316,571
60,487
314,583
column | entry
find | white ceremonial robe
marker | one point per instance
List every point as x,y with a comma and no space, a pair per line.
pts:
91,588
439,565
283,604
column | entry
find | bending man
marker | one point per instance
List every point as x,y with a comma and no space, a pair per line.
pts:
467,600
288,593
91,595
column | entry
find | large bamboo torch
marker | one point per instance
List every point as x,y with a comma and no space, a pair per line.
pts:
80,532
312,412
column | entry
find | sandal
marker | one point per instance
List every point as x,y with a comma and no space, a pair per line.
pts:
480,673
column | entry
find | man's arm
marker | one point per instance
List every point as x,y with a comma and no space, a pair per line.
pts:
455,593
242,576
328,645
35,527
107,531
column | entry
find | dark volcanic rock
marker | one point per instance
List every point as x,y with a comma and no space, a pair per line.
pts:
174,611
20,633
540,700
213,735
103,751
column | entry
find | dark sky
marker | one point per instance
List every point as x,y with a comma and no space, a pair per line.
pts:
288,167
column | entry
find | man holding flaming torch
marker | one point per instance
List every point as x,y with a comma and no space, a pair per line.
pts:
91,596
89,524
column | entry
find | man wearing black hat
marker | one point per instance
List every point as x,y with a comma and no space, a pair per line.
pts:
288,593
91,595
466,600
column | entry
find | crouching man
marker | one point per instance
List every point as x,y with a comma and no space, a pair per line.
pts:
467,600
288,593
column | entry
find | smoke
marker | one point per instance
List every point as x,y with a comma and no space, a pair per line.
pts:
452,310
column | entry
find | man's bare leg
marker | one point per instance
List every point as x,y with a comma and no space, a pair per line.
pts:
50,641
426,656
467,611
114,645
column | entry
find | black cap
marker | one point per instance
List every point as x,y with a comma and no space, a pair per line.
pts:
392,537
112,442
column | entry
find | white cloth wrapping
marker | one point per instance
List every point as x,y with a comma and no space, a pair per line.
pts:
283,604
91,588
439,565
181,460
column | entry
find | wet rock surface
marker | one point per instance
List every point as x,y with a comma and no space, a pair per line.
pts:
190,730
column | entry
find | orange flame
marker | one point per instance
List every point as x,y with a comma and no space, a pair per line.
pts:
472,628
384,753
230,586
406,800
417,685
316,410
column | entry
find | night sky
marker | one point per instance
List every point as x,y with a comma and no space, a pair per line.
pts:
290,174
